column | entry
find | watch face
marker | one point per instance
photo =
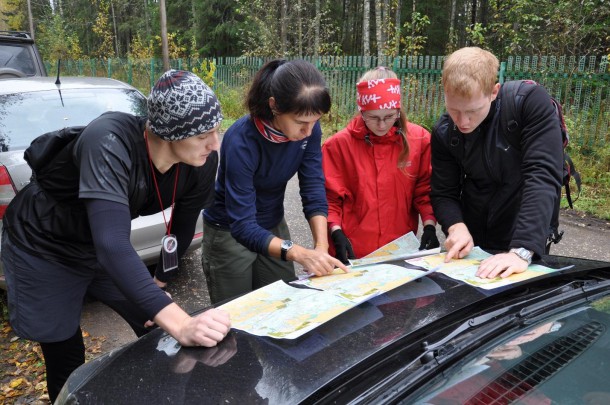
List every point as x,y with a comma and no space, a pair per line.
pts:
523,253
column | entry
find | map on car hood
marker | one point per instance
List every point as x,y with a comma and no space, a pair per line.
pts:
282,311
405,247
464,269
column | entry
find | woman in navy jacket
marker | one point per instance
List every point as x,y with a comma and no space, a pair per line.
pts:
246,242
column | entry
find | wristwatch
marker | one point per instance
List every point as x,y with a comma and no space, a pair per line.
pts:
523,253
286,246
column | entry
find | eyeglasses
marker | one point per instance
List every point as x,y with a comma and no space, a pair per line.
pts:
388,119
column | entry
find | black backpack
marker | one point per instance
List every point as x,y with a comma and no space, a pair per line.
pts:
513,93
45,147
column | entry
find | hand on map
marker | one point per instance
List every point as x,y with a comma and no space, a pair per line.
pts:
317,262
503,265
459,242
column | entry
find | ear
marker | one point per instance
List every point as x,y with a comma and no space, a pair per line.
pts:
272,105
495,91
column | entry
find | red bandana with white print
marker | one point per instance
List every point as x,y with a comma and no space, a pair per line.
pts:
379,94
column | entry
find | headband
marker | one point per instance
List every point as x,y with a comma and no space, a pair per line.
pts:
379,94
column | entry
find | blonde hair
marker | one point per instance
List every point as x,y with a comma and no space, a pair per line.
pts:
382,72
467,68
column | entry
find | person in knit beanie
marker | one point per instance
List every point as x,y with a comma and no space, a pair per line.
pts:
66,234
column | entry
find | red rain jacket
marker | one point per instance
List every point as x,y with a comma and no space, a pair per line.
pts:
372,200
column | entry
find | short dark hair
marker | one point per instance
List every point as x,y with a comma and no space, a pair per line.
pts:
297,87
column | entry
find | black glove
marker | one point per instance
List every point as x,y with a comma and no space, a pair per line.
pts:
343,247
428,238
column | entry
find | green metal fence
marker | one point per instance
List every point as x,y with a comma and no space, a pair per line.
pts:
581,84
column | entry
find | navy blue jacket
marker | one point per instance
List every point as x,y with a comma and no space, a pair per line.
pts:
252,179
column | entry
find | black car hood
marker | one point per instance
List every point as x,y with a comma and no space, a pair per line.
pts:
155,369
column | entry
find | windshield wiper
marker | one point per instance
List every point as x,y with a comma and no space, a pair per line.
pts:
489,325
530,309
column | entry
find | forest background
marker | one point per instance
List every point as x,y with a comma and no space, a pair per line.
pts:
70,29
140,30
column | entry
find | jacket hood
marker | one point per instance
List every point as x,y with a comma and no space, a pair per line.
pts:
358,129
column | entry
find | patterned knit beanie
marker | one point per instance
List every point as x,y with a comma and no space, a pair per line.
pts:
181,105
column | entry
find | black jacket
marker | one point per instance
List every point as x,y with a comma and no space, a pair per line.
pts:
505,196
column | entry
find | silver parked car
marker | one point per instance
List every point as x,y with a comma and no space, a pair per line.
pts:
30,107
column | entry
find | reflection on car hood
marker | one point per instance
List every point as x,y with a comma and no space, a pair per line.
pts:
562,359
250,369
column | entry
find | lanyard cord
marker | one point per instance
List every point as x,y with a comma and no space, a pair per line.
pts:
152,171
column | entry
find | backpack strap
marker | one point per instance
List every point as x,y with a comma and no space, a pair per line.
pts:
572,174
569,171
512,94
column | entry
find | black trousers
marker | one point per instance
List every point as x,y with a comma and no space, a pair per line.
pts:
62,358
45,301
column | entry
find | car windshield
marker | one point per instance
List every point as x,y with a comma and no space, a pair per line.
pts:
558,360
24,116
17,57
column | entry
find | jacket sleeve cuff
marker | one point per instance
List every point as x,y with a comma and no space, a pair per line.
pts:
315,213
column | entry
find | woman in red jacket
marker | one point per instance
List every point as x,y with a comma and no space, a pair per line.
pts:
377,173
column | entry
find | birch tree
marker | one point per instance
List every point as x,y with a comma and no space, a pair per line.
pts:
397,30
164,45
316,42
452,42
284,27
366,15
379,28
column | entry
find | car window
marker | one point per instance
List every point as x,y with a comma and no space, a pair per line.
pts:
24,116
17,57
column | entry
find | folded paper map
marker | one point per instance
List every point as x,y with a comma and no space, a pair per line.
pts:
405,247
282,311
464,269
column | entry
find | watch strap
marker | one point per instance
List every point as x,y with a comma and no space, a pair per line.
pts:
285,247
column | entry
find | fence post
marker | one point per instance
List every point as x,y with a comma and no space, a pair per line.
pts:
152,72
109,68
215,75
502,72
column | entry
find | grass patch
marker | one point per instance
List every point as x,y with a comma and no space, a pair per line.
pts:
231,102
594,167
